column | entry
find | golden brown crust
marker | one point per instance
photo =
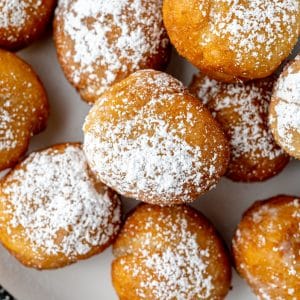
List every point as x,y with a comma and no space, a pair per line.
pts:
42,220
23,21
149,139
24,108
242,111
285,109
233,40
169,253
266,248
117,39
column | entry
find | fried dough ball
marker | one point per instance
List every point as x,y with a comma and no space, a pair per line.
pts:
23,21
232,40
285,109
169,253
23,108
101,42
52,210
149,139
266,248
242,111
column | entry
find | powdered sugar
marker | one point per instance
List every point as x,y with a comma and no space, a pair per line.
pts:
52,193
208,90
288,121
288,88
147,153
181,271
13,115
278,222
254,27
250,102
163,161
117,36
23,111
14,12
176,269
8,139
287,107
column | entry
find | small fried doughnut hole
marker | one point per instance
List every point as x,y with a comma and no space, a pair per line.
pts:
242,111
23,21
233,40
149,139
266,248
101,42
53,212
165,253
24,108
285,109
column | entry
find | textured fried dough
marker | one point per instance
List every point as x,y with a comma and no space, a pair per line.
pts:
232,40
169,253
242,111
266,248
23,108
23,21
149,139
101,42
285,109
53,212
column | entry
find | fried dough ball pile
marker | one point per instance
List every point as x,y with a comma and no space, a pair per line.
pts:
285,109
149,139
52,210
232,40
169,253
23,21
266,248
101,42
23,108
242,111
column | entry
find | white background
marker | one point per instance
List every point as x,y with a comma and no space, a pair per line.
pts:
90,279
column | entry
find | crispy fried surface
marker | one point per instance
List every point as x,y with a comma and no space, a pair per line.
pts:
101,43
242,111
266,248
149,139
53,212
24,108
233,40
285,109
23,21
169,253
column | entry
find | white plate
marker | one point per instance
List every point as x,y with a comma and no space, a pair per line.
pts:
91,279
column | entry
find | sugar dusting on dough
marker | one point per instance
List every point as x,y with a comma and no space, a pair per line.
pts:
254,26
116,35
178,269
8,139
208,89
53,192
14,14
268,221
250,101
162,162
13,112
157,162
287,110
